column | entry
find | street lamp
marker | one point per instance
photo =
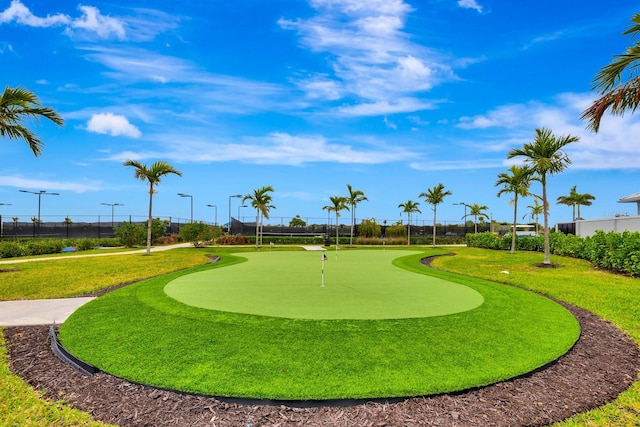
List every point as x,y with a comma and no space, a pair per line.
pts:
229,223
112,206
241,206
2,223
191,197
39,194
216,212
465,216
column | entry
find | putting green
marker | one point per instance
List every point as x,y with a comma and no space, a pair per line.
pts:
357,285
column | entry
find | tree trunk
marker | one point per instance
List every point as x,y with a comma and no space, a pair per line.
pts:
408,229
353,216
434,225
257,227
545,210
515,221
149,220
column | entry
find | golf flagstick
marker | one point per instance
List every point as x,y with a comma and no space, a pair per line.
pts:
324,258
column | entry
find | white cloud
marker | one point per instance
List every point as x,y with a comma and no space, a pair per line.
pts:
435,165
371,57
49,185
18,12
90,22
470,4
111,124
93,21
276,148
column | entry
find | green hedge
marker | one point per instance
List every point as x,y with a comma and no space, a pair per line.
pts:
611,250
27,247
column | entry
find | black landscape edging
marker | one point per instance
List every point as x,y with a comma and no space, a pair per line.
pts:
67,357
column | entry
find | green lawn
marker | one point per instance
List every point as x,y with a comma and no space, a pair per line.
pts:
141,334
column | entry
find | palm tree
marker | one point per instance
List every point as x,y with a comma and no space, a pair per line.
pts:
409,207
475,210
545,156
261,201
355,197
583,199
617,96
516,182
569,200
434,196
16,104
534,212
339,204
152,175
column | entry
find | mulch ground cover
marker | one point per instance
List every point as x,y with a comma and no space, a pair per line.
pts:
603,363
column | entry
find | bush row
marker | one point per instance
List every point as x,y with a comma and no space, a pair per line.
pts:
26,247
611,250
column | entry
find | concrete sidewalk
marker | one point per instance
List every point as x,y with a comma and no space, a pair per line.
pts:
39,312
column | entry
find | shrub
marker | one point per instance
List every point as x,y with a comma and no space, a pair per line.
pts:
158,229
198,233
369,228
10,249
396,230
131,234
229,239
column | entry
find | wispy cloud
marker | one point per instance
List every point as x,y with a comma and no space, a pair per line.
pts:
53,185
470,4
277,148
371,57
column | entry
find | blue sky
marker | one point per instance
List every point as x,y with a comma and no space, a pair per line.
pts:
390,96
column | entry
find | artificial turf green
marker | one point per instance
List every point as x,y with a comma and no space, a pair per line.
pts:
141,334
299,285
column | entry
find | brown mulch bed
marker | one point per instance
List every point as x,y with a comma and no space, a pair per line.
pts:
603,363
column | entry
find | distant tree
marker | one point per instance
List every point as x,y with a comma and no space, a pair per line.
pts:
152,175
261,201
569,200
434,196
16,104
130,234
516,182
583,199
545,157
396,230
198,234
369,228
409,207
339,203
535,211
617,95
354,197
476,210
68,222
297,222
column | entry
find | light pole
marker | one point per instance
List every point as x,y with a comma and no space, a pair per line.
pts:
229,223
465,216
2,223
39,194
191,197
112,206
216,212
241,206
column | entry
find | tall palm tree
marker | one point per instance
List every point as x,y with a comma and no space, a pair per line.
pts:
617,95
261,201
534,212
354,197
434,196
476,210
516,182
569,200
16,104
152,175
339,204
409,207
545,157
583,199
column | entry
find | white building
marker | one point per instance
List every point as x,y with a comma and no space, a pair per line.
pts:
588,227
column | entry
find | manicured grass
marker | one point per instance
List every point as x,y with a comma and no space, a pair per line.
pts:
354,285
71,275
613,297
172,345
